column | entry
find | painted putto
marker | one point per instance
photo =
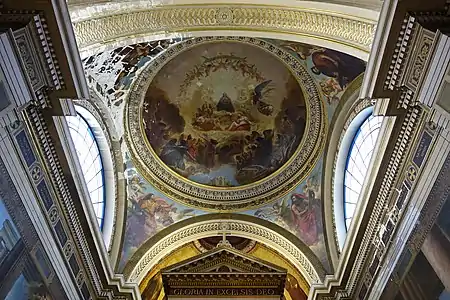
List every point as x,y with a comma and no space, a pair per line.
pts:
224,114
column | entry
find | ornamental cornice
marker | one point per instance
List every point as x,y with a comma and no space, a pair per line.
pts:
72,235
112,27
386,203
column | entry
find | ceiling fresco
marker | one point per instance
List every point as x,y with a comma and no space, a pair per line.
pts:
196,155
237,99
224,114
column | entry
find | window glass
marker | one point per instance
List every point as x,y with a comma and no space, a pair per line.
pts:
90,161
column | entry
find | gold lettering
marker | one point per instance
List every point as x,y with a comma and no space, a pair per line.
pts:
224,292
261,292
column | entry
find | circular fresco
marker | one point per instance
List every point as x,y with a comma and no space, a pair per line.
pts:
223,119
224,114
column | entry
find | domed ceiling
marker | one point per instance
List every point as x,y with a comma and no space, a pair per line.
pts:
223,124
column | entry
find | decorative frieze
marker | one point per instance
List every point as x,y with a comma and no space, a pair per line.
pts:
16,206
436,198
111,28
41,183
39,158
75,234
38,59
412,54
386,215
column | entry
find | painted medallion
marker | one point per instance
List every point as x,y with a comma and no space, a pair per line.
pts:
224,114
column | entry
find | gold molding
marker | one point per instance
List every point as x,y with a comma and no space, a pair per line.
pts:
109,28
266,253
260,251
188,230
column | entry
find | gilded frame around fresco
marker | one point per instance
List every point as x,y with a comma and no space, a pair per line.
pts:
239,198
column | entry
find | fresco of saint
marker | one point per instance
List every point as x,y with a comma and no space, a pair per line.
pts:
297,212
144,214
148,212
304,217
300,212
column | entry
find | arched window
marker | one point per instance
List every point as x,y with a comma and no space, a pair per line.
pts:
88,152
358,159
352,163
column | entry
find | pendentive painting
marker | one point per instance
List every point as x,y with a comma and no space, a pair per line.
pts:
224,114
148,212
300,212
332,70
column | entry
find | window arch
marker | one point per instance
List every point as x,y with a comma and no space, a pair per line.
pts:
90,158
358,159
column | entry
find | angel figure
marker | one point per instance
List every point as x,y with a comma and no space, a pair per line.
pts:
258,93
